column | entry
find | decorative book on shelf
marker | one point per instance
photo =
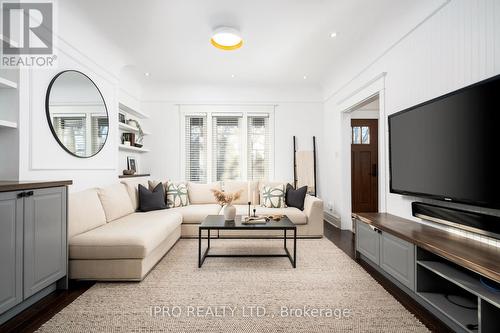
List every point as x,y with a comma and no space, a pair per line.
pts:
129,137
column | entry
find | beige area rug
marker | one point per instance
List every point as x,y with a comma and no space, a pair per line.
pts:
327,292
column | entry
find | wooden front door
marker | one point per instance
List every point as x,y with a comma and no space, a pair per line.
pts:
364,165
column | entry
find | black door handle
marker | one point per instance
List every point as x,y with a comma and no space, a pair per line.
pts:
25,194
374,170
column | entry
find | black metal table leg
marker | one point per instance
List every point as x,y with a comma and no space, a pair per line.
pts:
294,247
204,255
199,247
284,236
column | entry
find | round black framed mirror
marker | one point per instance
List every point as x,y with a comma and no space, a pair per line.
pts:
77,114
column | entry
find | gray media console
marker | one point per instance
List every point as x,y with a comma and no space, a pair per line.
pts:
431,273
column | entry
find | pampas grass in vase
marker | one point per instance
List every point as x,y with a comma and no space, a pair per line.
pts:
226,200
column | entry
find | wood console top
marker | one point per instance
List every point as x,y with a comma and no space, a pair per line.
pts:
16,185
474,255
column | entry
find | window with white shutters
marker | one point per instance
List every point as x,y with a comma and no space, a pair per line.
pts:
224,143
99,132
196,148
71,130
258,147
226,148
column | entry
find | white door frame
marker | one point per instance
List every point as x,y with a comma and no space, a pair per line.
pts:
347,105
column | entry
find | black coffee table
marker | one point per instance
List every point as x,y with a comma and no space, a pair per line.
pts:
216,222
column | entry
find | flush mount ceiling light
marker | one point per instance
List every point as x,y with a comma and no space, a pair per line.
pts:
226,38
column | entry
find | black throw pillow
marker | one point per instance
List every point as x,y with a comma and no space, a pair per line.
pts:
151,200
295,197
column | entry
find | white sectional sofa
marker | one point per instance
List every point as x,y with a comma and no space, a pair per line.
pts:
109,240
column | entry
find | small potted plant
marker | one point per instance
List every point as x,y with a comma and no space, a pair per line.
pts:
226,201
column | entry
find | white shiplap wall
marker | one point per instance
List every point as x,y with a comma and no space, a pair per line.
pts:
455,47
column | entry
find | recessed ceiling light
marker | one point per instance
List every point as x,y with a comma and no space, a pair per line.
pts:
146,74
305,77
232,75
226,38
333,34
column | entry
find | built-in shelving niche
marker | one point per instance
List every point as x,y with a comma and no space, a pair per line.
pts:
131,113
458,293
9,122
125,149
9,101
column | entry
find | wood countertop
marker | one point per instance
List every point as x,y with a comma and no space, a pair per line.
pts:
17,185
476,256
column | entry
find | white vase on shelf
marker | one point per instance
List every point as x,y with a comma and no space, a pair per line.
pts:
229,212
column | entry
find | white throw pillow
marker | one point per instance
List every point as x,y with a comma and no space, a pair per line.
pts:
273,196
115,201
268,183
177,195
201,193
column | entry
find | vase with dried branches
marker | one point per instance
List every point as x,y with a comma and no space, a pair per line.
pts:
226,200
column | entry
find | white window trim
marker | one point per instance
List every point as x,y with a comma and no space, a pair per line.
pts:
226,110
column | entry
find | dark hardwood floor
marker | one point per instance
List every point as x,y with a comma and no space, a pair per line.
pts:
35,316
344,240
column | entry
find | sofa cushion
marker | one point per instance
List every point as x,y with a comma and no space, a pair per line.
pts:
194,214
249,191
294,214
151,199
85,212
201,194
177,195
131,237
133,189
116,201
154,182
295,197
273,197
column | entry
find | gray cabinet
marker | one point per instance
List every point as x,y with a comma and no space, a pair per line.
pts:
368,241
44,238
397,257
11,241
393,255
33,246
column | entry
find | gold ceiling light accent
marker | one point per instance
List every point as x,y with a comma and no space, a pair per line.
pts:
226,38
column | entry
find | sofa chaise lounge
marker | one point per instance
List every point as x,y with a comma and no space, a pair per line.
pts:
109,240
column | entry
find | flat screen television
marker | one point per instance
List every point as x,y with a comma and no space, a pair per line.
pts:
448,148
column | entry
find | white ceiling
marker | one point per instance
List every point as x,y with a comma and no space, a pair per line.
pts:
284,39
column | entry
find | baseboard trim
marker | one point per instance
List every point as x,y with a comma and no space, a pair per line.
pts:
333,220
